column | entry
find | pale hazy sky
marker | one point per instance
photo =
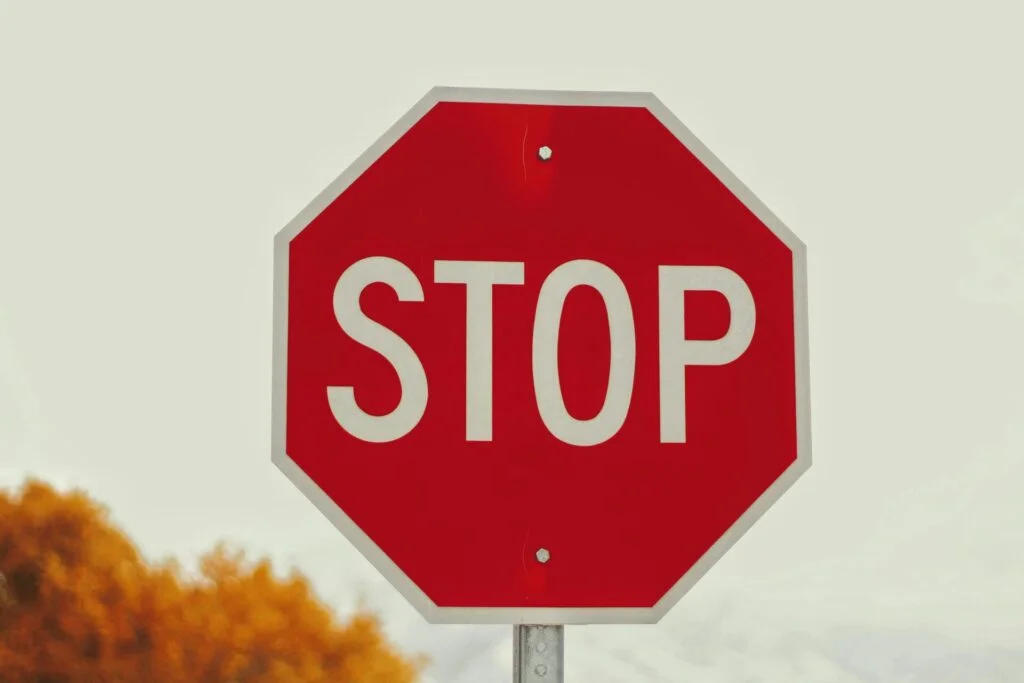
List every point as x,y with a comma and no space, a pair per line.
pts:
148,156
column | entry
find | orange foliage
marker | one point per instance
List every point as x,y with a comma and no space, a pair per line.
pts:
78,604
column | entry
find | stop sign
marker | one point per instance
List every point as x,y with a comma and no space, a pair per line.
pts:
540,357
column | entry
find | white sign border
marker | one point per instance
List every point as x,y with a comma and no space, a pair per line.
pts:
536,615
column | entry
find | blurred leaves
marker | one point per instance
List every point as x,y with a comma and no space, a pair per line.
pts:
79,604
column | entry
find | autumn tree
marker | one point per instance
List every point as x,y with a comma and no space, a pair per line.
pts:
79,604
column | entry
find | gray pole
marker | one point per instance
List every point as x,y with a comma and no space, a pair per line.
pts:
538,654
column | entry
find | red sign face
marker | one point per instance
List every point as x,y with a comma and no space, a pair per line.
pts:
540,357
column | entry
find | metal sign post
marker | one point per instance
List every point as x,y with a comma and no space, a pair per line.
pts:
538,654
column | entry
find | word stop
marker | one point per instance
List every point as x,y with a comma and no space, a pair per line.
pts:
675,351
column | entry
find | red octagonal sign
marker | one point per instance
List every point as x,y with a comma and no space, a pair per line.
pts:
540,356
